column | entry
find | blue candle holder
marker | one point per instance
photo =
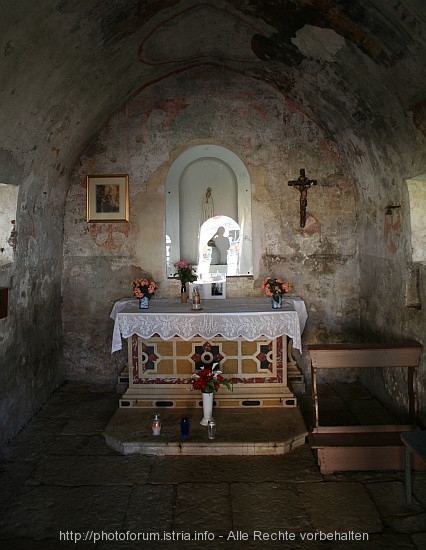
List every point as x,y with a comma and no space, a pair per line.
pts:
184,428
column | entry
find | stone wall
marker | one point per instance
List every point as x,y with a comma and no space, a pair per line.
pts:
353,115
274,140
31,364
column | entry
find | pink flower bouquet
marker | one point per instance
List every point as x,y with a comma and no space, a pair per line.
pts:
185,272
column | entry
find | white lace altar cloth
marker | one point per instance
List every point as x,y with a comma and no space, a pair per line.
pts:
249,318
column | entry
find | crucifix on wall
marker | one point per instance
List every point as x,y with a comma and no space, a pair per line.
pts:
302,184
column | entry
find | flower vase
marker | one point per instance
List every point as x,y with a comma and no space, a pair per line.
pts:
183,293
207,408
277,302
144,302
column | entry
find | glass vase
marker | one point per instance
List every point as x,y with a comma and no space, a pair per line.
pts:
211,429
144,302
277,301
183,293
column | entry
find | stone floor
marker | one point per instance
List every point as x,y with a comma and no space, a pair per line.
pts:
61,484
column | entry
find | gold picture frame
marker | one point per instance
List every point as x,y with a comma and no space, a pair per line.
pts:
108,198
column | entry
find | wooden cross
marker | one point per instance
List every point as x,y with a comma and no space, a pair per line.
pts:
302,184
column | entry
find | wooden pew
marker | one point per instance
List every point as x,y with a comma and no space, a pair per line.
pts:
363,447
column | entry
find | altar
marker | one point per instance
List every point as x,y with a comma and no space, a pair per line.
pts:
169,341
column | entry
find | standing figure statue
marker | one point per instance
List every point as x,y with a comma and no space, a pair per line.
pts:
208,206
302,184
222,245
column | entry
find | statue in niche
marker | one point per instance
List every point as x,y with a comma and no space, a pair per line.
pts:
302,184
208,206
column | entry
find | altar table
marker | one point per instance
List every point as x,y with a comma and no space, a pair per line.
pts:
168,341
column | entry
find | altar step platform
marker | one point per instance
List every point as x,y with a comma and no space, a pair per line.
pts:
296,382
247,424
240,431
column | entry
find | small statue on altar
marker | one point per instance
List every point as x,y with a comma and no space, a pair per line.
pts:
196,299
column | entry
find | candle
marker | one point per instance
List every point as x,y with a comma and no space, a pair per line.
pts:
156,424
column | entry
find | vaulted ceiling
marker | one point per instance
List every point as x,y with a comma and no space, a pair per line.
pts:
69,65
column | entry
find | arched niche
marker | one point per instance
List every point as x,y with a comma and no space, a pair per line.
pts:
8,208
190,176
417,197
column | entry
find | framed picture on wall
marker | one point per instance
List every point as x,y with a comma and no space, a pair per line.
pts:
108,198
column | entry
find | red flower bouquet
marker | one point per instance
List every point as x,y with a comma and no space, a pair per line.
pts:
209,380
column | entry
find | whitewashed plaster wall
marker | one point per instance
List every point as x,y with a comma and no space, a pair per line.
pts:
274,140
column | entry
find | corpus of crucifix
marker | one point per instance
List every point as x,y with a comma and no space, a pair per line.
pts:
302,184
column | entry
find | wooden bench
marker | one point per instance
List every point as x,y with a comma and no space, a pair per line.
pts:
375,447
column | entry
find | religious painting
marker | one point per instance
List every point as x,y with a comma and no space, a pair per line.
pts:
108,198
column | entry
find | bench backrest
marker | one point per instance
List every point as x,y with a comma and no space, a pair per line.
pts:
335,356
343,356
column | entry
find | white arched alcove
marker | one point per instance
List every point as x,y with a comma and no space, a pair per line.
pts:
8,208
417,197
190,176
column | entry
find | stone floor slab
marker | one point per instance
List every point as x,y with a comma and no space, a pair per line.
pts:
268,507
414,523
150,509
299,465
341,507
389,497
203,507
46,511
89,470
419,540
418,482
13,477
85,444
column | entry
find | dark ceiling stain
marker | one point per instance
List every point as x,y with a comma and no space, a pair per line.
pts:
117,19
378,34
276,49
419,116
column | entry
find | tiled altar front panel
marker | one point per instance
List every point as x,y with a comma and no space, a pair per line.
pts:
160,372
175,361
